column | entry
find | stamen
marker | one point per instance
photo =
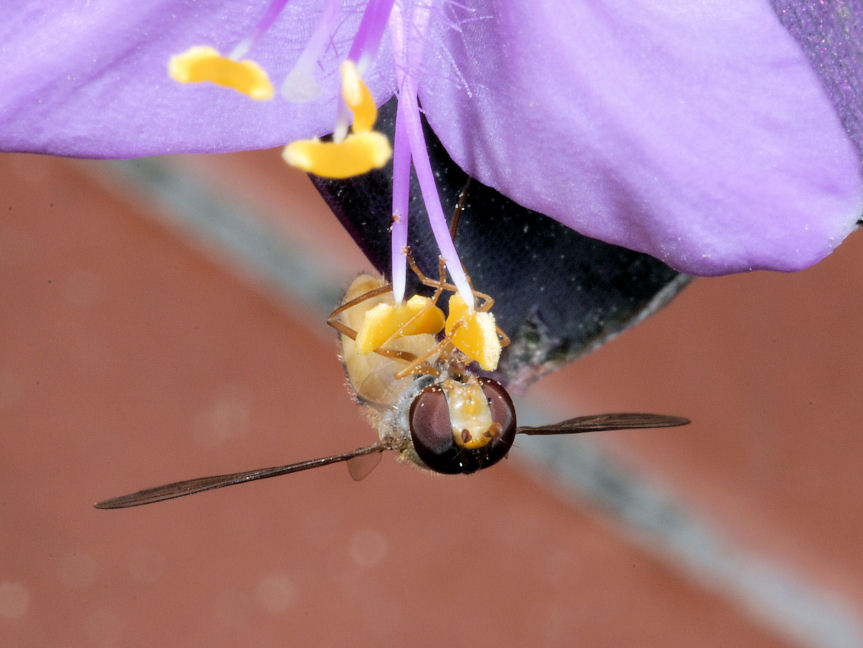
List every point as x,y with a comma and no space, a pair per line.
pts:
200,63
263,25
401,199
363,50
359,152
300,85
371,30
363,149
358,98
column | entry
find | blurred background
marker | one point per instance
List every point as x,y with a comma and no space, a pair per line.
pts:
164,319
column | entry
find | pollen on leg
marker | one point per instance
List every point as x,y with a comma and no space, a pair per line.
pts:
473,333
201,63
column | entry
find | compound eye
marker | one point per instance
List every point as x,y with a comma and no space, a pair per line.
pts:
434,440
431,430
502,412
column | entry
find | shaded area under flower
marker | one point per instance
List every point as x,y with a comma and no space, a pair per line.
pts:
559,294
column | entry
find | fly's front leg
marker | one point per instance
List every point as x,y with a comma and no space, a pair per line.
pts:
420,366
332,321
344,329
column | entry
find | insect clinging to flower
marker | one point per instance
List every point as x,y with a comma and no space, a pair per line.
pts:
417,373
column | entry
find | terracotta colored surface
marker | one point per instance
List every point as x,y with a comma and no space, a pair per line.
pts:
770,368
126,359
283,196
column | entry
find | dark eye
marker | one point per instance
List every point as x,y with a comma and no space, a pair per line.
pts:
432,434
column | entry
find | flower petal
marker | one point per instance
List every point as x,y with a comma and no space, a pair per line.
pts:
695,132
831,35
90,78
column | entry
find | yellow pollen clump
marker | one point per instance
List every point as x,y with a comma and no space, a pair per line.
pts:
358,153
473,333
200,63
385,321
361,151
358,98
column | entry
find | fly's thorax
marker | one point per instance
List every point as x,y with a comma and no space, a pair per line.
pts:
394,422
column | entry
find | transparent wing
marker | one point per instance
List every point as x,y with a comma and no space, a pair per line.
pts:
201,484
361,466
601,422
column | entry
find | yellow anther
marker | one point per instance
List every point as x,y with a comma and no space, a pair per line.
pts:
358,98
358,153
201,63
361,151
473,333
384,320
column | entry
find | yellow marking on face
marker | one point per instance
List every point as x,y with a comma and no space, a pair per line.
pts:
469,413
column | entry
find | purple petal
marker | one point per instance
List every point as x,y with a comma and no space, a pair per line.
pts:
831,35
90,78
697,133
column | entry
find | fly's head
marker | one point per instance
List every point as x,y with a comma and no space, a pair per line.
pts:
462,426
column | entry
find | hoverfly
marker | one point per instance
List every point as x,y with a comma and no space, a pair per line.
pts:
419,387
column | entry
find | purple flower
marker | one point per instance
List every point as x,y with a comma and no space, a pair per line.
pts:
717,136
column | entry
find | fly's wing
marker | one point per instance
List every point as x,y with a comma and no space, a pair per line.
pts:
361,466
559,294
202,484
602,422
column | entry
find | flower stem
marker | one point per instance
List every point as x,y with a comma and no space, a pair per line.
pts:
371,30
263,25
408,54
300,85
401,198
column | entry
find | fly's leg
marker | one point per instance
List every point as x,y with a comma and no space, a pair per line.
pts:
403,356
333,321
456,215
486,301
504,338
398,332
420,366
